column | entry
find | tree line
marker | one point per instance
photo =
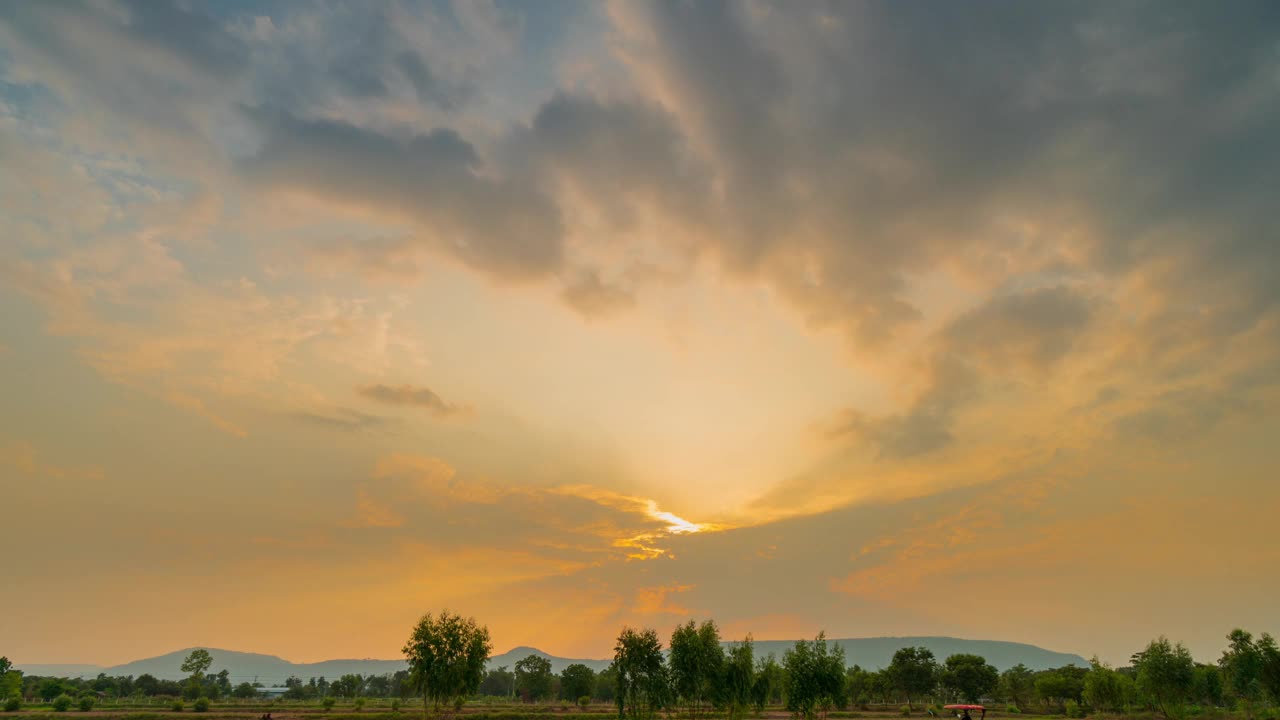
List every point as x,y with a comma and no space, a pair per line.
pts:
697,674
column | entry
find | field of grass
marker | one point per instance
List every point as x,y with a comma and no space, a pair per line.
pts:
381,709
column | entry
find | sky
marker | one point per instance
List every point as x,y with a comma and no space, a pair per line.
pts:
878,318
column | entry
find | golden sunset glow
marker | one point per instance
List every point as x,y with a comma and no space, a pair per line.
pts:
877,318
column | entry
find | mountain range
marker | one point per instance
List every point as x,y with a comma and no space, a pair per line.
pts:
870,653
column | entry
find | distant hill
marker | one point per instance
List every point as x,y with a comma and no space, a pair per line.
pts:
876,653
870,653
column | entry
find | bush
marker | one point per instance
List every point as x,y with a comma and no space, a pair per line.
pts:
202,705
395,705
359,705
584,701
906,711
85,704
327,703
13,704
1012,709
62,703
1074,709
176,706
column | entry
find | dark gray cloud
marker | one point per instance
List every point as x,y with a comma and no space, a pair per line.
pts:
410,395
884,138
509,230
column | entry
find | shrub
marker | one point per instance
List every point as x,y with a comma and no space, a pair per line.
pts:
359,705
327,703
584,701
85,704
1074,709
395,705
202,705
62,703
906,710
176,706
1012,709
13,704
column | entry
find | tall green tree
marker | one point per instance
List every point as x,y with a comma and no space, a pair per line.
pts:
577,681
914,672
446,655
1269,675
1017,685
768,684
1165,673
1241,663
533,678
195,665
969,676
739,678
1104,688
642,685
695,664
815,674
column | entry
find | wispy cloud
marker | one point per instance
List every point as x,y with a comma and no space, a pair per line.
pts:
412,396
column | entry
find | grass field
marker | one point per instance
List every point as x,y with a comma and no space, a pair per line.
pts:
380,709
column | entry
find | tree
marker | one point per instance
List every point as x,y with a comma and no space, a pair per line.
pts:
739,678
815,676
1165,675
860,684
768,683
969,676
606,685
244,691
1206,685
5,665
642,686
1269,675
10,683
695,664
197,663
533,678
195,666
1061,684
914,672
1104,688
50,688
1017,685
499,682
1241,663
446,657
577,681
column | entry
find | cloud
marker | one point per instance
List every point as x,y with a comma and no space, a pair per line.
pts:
411,396
435,180
593,298
436,504
345,419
